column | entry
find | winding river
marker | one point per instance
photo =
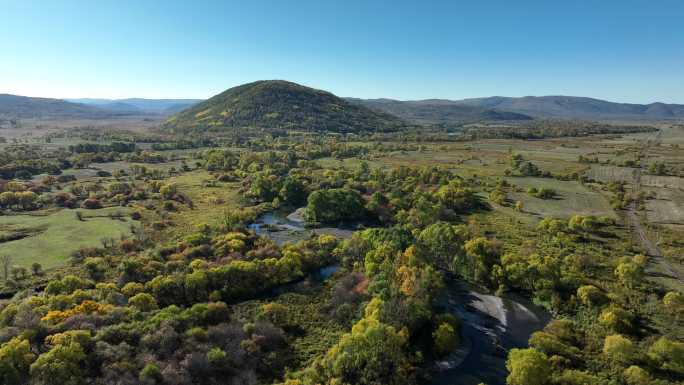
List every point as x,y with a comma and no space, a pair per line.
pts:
491,326
282,227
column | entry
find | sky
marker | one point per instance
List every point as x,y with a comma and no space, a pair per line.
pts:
619,50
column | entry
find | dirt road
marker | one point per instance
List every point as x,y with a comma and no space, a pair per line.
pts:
650,247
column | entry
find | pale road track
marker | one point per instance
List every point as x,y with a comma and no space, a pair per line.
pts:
650,247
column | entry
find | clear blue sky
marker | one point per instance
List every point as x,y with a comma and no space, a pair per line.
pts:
622,50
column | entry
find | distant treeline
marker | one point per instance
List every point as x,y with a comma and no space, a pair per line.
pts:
82,148
540,129
184,144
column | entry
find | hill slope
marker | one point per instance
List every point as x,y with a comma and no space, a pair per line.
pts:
434,111
22,107
572,107
278,104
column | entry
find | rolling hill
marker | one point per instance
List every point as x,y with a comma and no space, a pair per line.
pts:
23,107
278,104
572,107
438,111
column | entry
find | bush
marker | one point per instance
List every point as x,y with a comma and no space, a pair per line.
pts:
667,355
445,338
590,295
91,204
619,349
143,302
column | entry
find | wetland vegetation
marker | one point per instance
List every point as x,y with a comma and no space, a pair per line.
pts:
218,248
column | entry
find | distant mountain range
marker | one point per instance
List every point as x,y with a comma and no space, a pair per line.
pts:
505,108
23,107
154,106
282,104
278,104
437,111
573,107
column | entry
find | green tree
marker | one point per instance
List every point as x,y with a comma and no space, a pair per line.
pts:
674,302
616,319
629,274
667,355
372,354
151,373
445,338
15,360
483,254
619,348
442,243
143,302
61,365
590,295
334,205
527,367
293,191
635,375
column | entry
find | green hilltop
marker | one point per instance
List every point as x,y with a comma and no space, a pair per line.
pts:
278,104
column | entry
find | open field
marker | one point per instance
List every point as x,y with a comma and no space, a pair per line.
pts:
667,208
210,203
54,235
572,198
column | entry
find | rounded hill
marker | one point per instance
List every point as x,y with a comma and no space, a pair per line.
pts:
278,104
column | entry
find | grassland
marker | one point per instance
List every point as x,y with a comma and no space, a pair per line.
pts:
211,201
572,198
54,235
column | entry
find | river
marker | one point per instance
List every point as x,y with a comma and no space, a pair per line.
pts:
491,326
282,227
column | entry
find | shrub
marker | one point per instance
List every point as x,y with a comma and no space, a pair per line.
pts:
619,348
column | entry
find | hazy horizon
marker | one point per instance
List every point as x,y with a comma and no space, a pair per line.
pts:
614,50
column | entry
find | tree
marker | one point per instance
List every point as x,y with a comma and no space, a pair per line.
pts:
6,262
616,319
15,360
61,365
274,312
151,374
590,295
527,367
629,274
457,198
143,302
293,191
635,375
483,254
442,243
37,269
668,355
8,199
583,224
19,273
371,354
674,302
619,348
445,338
334,205
26,199
96,267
